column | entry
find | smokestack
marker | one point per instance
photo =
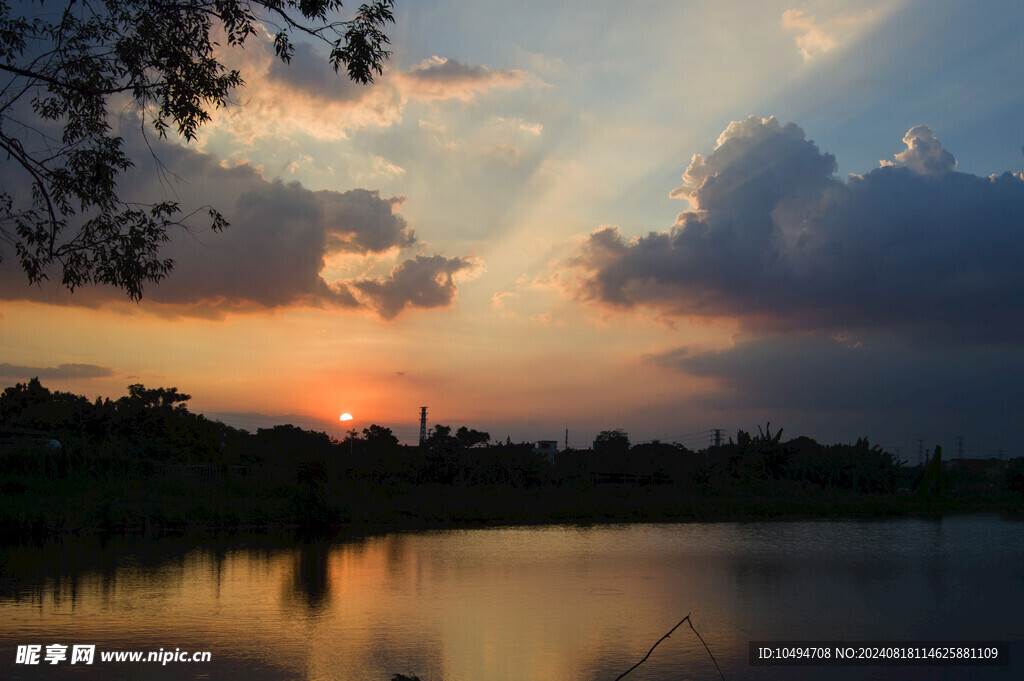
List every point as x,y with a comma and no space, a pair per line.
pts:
423,425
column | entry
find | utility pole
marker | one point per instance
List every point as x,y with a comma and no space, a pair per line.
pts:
717,442
920,452
959,446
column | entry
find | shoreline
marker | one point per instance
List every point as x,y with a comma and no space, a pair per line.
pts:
153,513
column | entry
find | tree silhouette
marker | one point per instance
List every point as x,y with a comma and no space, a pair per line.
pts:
611,451
379,438
30,405
59,203
1014,479
290,445
468,437
156,398
611,442
932,485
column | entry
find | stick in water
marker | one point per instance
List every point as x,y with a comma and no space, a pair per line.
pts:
685,619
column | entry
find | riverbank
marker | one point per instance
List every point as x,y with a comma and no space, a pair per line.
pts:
33,511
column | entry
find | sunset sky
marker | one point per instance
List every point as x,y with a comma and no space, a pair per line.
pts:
659,216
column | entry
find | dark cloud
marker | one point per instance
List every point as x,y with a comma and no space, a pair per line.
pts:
274,252
448,70
875,384
777,240
312,74
888,304
821,373
441,78
59,371
425,282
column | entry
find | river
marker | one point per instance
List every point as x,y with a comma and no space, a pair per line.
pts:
554,603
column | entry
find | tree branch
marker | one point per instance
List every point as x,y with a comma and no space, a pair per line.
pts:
65,66
14,150
88,92
685,619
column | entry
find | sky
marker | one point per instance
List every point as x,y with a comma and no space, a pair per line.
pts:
545,217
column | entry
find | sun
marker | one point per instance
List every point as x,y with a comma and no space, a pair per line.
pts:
345,417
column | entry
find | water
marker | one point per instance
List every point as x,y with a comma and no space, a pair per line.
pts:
540,603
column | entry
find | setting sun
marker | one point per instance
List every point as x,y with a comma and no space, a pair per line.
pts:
345,417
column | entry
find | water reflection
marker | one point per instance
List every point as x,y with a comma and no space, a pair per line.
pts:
554,603
309,584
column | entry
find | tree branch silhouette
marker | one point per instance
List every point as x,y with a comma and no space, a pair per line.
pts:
61,209
670,631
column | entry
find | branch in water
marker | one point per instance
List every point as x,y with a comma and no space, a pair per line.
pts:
685,619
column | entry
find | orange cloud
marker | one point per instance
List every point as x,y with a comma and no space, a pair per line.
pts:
440,78
305,96
816,37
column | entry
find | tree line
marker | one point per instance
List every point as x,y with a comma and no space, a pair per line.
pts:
143,460
151,426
